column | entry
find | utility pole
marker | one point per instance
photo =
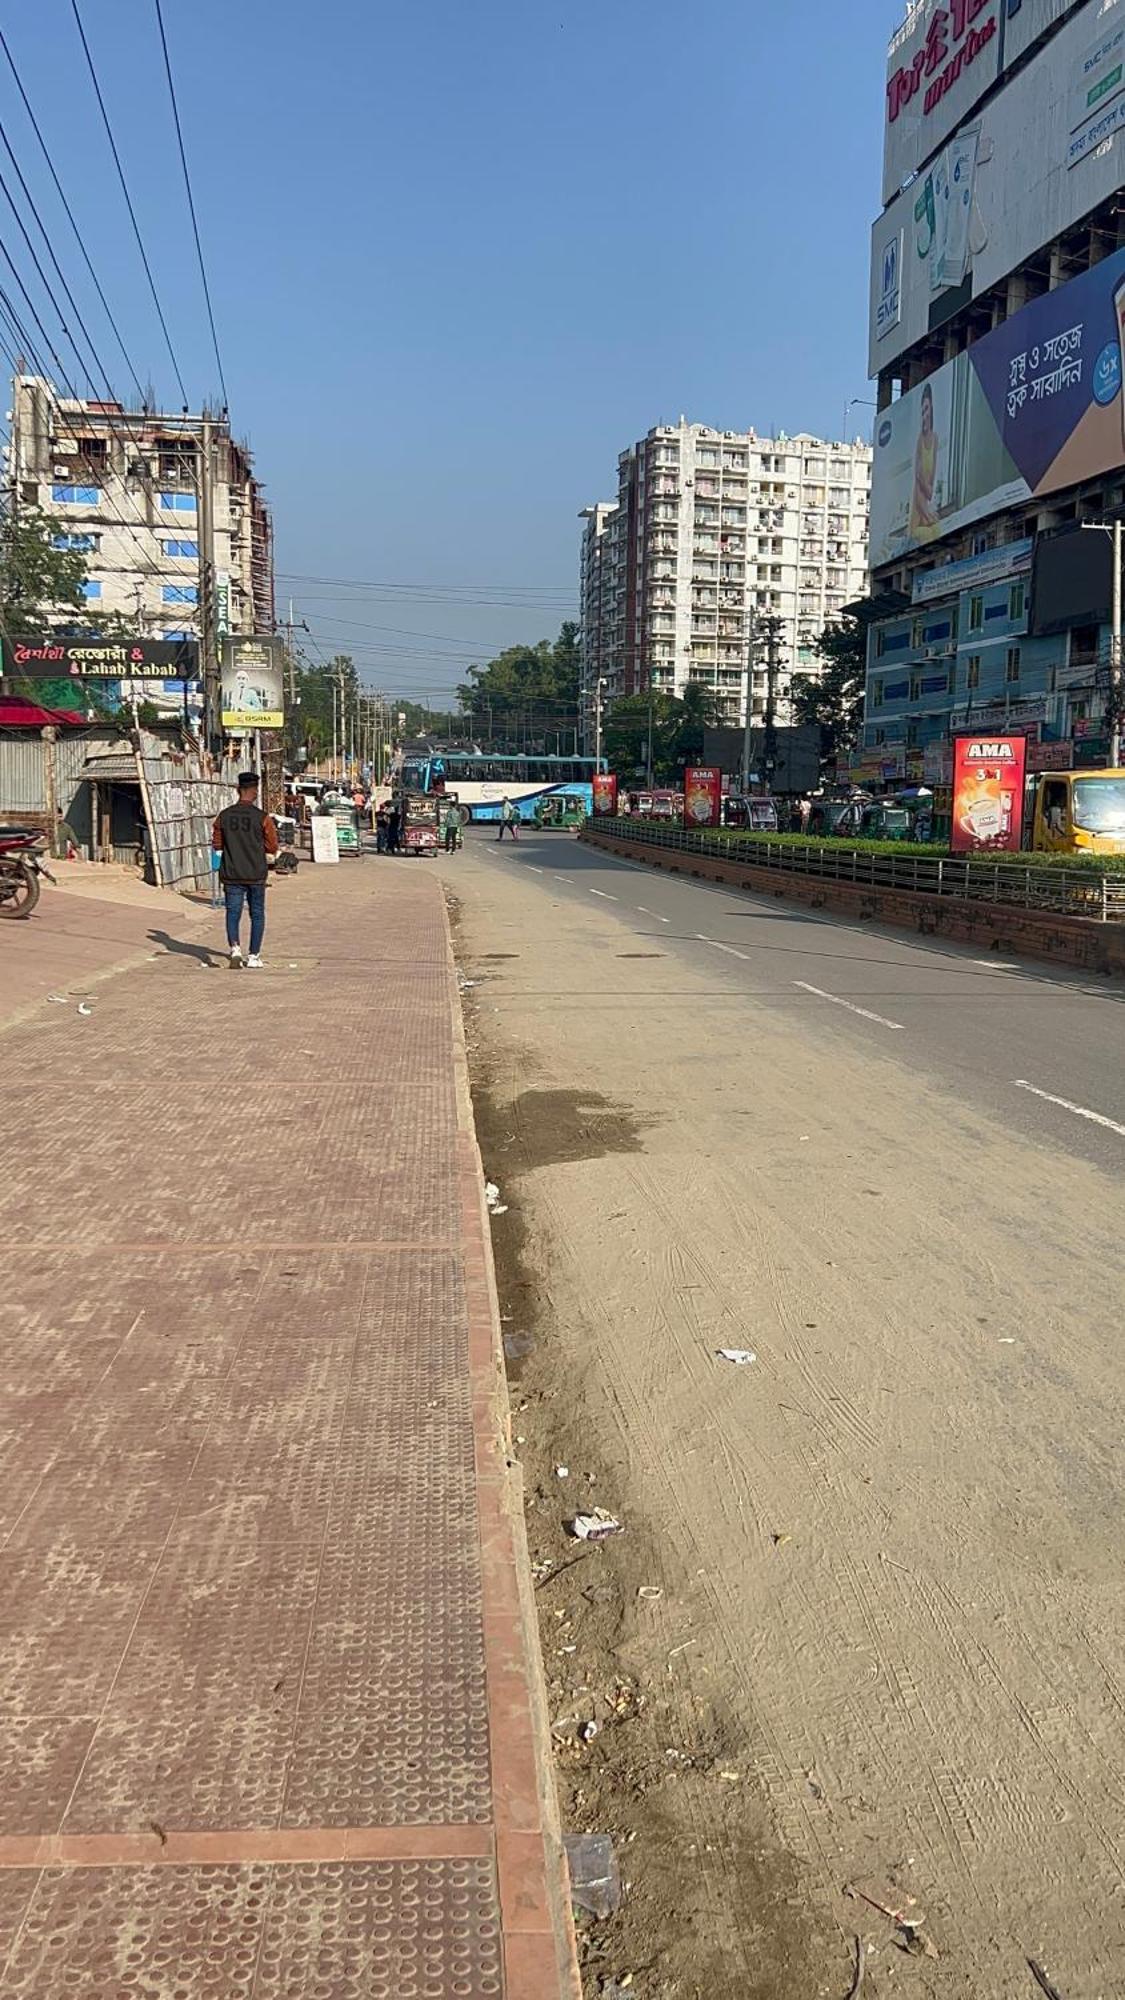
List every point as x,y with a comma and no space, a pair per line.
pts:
1115,655
598,726
770,757
209,663
746,725
293,625
1114,703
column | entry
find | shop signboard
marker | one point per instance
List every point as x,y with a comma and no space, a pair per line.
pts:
703,795
252,695
605,794
937,763
1032,407
1091,753
1050,756
941,62
50,657
991,566
988,780
1016,172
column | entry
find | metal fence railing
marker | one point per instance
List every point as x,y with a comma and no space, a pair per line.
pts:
1028,885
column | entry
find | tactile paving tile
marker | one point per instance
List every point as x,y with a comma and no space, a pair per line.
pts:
393,1726
40,1759
393,1930
199,1727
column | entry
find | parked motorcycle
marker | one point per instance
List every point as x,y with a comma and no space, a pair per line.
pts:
21,869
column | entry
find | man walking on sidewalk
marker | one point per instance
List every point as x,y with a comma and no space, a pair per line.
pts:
245,836
509,820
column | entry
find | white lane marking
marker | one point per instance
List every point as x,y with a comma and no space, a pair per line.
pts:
534,869
1064,1104
643,911
865,1012
716,946
604,894
564,878
995,965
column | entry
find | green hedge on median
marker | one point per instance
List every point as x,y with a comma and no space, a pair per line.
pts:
1092,864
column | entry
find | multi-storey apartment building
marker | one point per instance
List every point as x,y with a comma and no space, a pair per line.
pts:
997,316
712,533
124,488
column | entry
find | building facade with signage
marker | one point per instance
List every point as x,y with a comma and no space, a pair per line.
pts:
711,532
123,487
997,313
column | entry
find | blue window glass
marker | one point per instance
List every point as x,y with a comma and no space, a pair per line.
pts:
896,690
178,503
74,541
91,590
170,636
76,496
181,548
180,593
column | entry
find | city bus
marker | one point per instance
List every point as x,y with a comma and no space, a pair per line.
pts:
483,779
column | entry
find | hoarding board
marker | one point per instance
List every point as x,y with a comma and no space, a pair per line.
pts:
988,776
940,65
252,696
1031,408
1027,22
703,795
1018,172
1050,756
605,794
972,573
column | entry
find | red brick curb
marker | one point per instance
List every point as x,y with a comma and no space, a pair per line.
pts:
540,1957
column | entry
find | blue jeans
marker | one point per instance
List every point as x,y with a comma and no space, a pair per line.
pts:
254,894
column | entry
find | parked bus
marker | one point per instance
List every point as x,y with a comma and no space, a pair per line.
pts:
483,779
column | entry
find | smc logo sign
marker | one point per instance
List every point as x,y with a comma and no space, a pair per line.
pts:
888,308
885,431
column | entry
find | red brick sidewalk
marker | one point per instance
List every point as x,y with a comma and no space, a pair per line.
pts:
268,1728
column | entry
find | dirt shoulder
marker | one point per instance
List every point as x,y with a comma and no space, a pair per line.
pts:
860,1625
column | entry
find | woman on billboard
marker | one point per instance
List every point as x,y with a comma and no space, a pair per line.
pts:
924,523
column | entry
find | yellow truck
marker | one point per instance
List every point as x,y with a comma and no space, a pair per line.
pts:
1080,812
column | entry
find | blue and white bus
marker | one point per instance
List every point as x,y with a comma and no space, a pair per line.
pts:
541,788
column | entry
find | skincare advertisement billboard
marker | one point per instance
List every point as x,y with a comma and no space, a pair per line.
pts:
1031,408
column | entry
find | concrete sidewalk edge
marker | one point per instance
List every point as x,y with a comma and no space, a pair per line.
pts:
540,1953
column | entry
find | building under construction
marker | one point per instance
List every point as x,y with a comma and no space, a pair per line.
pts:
166,511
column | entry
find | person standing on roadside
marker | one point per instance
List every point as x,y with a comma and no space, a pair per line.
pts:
454,821
246,837
509,820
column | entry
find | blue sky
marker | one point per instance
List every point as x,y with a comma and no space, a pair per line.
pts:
462,255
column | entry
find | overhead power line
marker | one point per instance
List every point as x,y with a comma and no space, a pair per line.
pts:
129,202
69,213
191,203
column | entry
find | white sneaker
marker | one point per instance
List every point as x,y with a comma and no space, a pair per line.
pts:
254,962
236,954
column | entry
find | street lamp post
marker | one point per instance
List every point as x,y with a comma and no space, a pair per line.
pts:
856,403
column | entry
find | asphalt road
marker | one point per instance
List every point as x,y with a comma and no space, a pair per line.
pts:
1043,1051
886,1630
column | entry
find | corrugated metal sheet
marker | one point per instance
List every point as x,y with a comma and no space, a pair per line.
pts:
181,804
22,787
